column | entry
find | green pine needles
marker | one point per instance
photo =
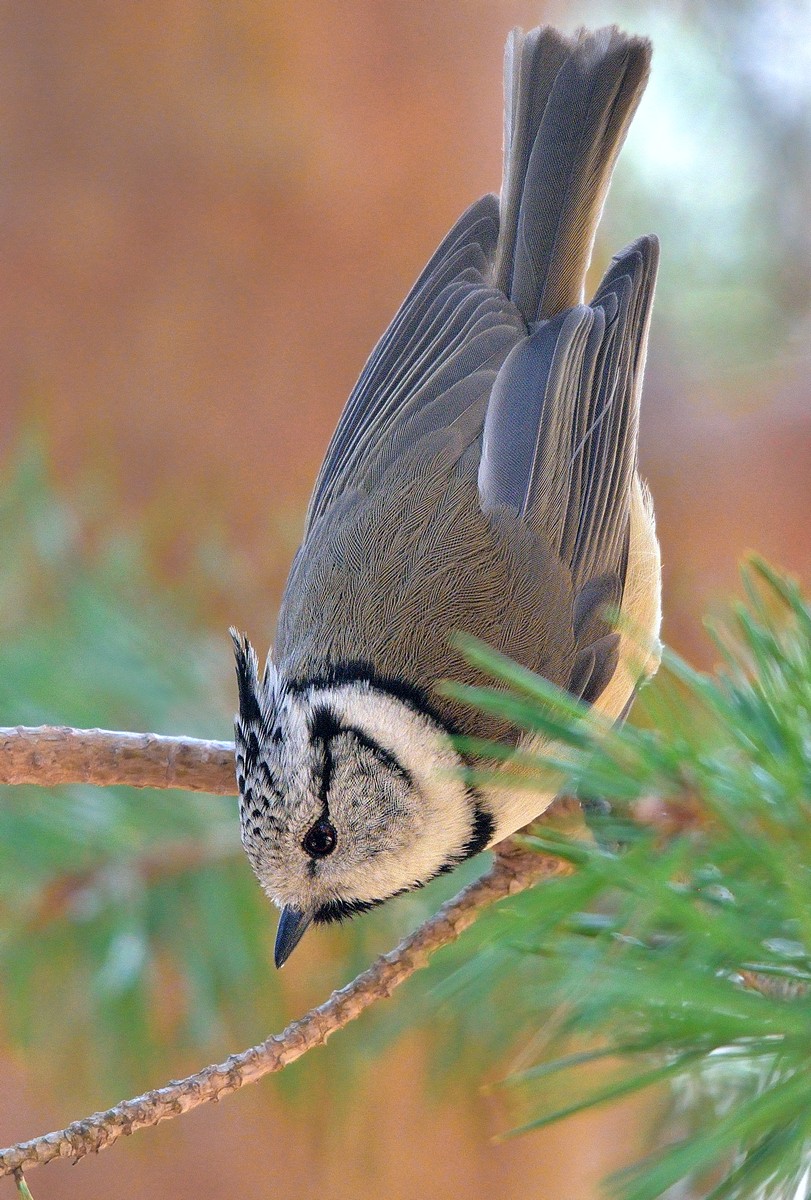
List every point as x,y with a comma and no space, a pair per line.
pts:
679,956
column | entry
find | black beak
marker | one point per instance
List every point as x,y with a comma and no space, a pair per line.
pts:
292,927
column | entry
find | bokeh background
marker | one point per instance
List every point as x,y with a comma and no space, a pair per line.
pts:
208,214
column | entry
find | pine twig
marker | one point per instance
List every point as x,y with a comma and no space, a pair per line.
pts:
512,872
53,754
22,1186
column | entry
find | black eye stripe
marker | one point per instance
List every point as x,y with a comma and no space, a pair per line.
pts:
383,756
338,674
324,726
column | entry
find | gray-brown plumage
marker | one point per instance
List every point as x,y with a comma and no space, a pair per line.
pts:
482,478
411,526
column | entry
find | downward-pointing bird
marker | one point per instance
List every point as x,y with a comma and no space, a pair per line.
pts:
482,478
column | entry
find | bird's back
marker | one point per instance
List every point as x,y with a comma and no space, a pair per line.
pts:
482,474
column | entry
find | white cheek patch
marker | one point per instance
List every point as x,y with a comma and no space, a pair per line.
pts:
397,828
440,810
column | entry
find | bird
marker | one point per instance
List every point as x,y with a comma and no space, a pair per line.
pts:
482,478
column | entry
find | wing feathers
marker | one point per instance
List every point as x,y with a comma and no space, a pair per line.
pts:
610,449
452,325
560,432
531,63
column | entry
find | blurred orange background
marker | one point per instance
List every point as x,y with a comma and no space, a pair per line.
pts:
209,215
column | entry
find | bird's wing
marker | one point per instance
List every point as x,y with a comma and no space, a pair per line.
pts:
560,444
438,357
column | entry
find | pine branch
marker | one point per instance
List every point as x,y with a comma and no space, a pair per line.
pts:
49,755
513,871
53,754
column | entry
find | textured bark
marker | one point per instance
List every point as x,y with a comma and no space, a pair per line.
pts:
512,871
52,754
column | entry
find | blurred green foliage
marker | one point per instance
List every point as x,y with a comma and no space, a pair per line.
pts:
127,919
680,958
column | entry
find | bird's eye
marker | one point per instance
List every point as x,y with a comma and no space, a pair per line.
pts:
320,840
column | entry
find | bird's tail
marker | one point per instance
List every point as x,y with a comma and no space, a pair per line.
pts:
568,103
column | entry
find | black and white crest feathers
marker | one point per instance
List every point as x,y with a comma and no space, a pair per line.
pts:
247,678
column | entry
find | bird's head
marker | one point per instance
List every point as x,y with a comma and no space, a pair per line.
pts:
349,794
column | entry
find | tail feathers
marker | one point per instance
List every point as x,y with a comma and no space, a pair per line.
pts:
568,105
531,64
